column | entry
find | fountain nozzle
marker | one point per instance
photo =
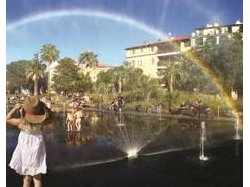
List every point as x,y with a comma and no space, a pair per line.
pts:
132,153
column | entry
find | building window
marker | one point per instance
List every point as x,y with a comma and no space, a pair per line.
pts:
187,43
223,39
141,50
224,30
199,42
217,31
241,29
211,40
152,48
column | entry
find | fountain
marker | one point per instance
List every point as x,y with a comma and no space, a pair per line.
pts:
236,127
132,153
202,141
131,138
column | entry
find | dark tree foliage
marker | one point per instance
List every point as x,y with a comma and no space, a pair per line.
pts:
135,85
68,79
15,75
226,61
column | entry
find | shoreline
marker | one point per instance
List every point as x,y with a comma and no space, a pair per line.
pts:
57,109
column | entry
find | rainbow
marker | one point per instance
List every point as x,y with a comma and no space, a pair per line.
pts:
124,20
86,13
215,79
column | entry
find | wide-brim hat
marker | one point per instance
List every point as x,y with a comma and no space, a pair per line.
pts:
34,110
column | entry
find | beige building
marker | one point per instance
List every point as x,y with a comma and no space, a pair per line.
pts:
94,71
214,33
147,55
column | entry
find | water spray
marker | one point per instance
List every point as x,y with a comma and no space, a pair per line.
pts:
202,140
132,153
236,127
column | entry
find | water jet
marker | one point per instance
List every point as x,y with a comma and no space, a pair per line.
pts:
236,127
132,153
202,141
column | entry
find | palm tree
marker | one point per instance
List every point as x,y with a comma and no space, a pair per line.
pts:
49,54
171,72
35,74
119,80
88,58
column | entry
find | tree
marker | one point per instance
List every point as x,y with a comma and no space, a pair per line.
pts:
193,78
67,78
134,85
88,58
35,73
15,75
225,61
49,54
172,71
119,79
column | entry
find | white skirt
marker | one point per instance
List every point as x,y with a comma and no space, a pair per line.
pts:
29,157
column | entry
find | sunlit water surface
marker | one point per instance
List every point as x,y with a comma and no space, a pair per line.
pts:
109,137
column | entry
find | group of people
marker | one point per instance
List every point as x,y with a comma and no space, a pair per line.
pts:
80,102
117,104
195,108
74,120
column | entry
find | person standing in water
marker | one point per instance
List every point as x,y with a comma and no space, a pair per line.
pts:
70,120
29,157
78,116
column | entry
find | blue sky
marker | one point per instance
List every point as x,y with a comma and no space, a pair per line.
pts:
106,27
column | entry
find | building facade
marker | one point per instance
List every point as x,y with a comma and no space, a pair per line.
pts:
214,34
93,71
147,56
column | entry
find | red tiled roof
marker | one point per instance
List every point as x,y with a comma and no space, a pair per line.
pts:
101,65
180,38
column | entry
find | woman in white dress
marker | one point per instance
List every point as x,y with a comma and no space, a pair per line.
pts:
29,157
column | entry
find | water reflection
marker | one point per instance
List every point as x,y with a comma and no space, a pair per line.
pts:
69,138
107,137
82,137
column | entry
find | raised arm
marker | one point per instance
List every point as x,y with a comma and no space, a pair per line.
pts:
9,119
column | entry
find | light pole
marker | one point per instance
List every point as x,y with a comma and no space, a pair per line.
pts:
36,74
218,97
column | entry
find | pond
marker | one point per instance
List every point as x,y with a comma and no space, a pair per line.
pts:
107,138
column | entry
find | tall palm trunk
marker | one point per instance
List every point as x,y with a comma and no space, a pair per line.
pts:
35,87
171,84
120,85
48,84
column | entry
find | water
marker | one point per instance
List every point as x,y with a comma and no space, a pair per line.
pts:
237,130
110,137
203,138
